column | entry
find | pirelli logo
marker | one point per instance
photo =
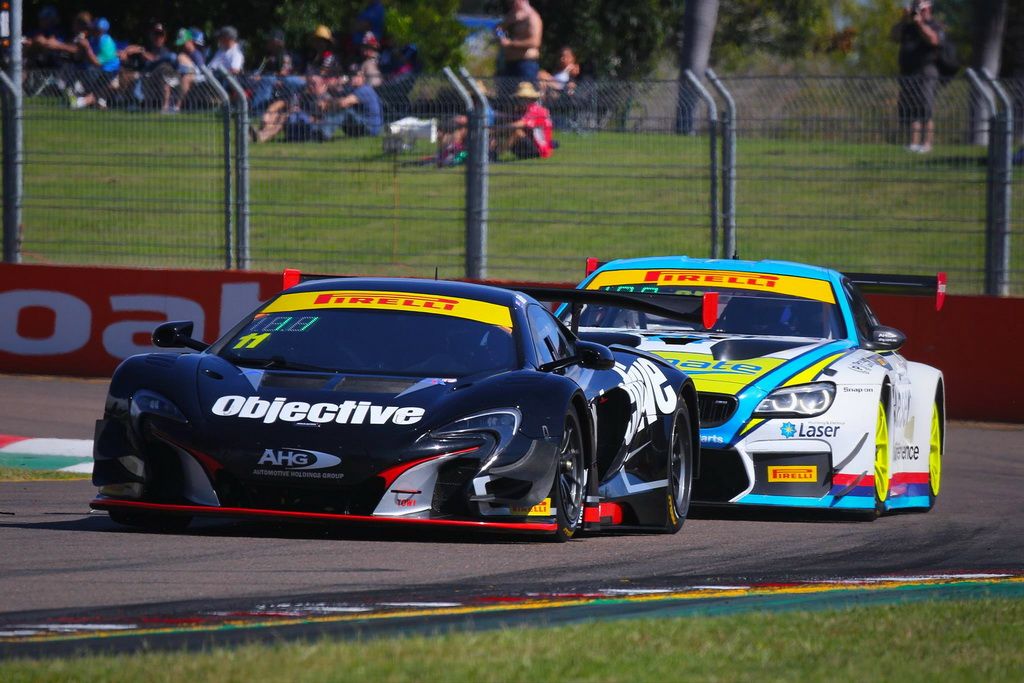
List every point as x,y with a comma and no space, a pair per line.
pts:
779,474
541,509
470,309
790,285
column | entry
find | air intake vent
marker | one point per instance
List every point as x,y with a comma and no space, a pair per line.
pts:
715,409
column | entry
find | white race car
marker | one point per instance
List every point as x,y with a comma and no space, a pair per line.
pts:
804,398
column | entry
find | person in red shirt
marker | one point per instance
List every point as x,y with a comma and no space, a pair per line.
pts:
530,135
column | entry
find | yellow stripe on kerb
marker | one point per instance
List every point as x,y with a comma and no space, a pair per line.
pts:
411,302
790,285
812,372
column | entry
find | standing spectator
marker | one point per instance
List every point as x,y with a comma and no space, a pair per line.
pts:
520,37
370,66
99,53
529,136
920,37
229,54
324,61
190,61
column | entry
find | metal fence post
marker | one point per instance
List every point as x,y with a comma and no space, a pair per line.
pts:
13,142
479,159
472,210
728,167
991,256
241,172
703,93
1003,177
229,240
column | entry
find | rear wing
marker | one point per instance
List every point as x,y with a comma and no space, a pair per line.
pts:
911,285
701,309
293,276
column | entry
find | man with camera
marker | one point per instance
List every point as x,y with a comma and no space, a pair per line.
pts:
920,37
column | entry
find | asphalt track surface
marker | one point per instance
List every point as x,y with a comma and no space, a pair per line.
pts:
58,562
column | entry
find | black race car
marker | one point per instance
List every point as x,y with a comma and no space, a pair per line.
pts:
398,401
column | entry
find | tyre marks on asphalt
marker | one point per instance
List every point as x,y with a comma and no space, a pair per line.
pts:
279,619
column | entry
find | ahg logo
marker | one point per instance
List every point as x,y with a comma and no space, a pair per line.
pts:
298,460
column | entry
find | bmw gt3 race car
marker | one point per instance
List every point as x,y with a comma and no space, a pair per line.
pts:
398,401
804,398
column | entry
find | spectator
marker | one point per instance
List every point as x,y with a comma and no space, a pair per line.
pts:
529,136
276,73
229,55
564,79
520,37
370,67
150,68
452,140
920,37
199,40
301,117
324,61
41,45
100,53
190,61
361,113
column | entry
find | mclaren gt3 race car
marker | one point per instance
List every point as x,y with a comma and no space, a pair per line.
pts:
804,398
398,401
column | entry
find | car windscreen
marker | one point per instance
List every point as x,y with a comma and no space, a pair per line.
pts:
419,336
739,312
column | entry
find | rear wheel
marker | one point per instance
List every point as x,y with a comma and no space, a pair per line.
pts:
150,521
570,481
934,456
881,458
680,473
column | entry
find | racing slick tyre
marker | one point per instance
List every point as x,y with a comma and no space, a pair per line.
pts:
570,485
150,521
882,459
680,473
935,444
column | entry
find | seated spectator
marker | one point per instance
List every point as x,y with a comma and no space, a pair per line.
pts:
40,45
564,79
529,136
323,61
361,112
275,76
303,117
149,67
452,139
190,62
100,53
229,55
370,67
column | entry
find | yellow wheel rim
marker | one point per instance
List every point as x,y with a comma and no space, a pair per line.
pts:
882,454
935,453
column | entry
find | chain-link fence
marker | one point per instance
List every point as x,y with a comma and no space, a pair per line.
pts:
1015,89
148,169
113,176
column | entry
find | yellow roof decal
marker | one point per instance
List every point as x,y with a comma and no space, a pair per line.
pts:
458,307
791,285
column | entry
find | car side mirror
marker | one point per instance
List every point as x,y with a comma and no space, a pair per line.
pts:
594,356
177,334
884,338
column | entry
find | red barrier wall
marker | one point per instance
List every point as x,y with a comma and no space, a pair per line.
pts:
83,321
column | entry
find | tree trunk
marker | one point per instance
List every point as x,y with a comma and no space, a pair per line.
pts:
989,27
699,18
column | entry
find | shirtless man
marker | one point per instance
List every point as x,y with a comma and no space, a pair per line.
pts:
520,35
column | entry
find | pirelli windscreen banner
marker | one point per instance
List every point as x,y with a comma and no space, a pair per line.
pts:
64,320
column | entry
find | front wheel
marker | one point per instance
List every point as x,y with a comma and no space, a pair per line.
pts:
935,444
570,481
680,473
882,461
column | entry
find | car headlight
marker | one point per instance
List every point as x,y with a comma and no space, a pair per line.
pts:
148,402
803,400
500,425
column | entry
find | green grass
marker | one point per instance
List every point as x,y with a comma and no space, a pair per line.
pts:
25,474
981,640
145,189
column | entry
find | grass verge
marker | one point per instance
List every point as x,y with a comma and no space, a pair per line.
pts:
25,474
940,640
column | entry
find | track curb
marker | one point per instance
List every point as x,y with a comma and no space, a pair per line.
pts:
62,455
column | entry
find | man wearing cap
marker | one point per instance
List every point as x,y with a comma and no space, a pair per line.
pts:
190,61
920,37
370,66
520,37
229,55
529,136
100,52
